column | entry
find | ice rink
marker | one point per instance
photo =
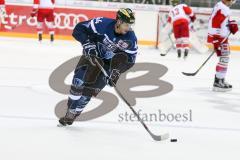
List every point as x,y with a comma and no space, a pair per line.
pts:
28,124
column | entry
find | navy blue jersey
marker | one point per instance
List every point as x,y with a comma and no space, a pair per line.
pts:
101,31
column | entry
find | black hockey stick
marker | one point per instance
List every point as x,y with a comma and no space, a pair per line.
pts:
155,137
194,73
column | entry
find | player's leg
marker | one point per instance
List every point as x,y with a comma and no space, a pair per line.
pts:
50,24
40,31
40,20
179,47
177,35
85,84
184,34
185,45
220,84
75,104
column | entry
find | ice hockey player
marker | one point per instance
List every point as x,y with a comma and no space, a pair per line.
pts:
44,10
181,16
219,28
2,11
114,44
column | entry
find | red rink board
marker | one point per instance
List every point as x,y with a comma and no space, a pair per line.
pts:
65,19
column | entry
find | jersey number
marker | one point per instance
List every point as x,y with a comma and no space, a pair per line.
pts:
175,12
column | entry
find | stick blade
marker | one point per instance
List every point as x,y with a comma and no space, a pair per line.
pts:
188,74
161,137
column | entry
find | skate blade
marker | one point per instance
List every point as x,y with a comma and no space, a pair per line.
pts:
163,54
61,125
217,89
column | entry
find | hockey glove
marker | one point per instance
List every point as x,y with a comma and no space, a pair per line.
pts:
34,12
217,44
3,12
193,18
89,51
233,26
113,78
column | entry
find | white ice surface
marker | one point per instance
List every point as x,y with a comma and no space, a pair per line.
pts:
28,124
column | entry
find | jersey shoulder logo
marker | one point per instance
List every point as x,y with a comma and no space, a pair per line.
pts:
98,20
123,44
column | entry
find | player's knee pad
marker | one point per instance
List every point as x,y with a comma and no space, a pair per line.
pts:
75,90
40,27
78,88
185,43
50,26
77,82
224,60
179,42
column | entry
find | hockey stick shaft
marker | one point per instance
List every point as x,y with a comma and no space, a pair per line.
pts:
155,137
193,74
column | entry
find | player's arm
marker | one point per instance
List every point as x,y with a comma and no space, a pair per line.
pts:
35,8
217,21
2,8
188,11
88,30
86,33
83,31
219,18
122,62
130,55
2,2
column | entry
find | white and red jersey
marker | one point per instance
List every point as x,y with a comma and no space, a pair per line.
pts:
218,22
2,3
44,4
180,13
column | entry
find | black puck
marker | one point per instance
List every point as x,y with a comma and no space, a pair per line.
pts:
173,140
